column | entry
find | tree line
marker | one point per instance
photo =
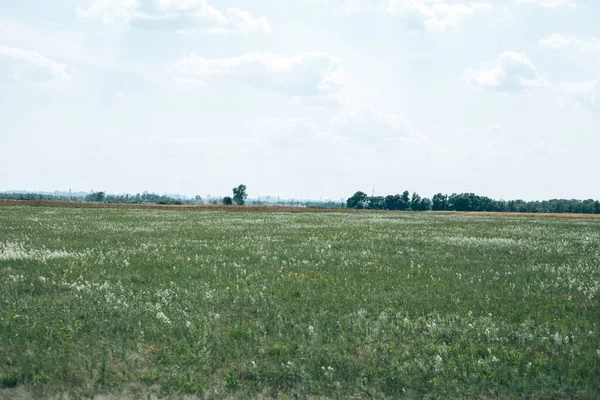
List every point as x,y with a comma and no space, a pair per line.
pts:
469,202
239,197
99,197
360,200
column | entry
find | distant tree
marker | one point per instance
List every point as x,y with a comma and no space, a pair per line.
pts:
587,207
377,203
439,202
518,206
500,205
240,195
415,202
425,204
462,202
393,202
405,200
451,201
228,201
358,200
96,197
198,199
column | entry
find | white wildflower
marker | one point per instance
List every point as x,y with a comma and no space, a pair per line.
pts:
162,317
557,338
437,366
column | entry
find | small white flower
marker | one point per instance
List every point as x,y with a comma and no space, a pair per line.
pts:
162,317
311,329
557,338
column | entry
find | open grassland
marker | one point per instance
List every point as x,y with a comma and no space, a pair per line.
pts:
266,208
146,302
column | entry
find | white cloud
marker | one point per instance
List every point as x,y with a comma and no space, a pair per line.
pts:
295,134
549,3
305,74
111,11
244,22
374,126
512,72
561,41
350,7
175,14
343,133
31,65
586,94
436,14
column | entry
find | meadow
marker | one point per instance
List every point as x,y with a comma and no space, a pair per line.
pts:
151,303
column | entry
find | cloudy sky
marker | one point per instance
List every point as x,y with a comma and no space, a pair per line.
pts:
303,98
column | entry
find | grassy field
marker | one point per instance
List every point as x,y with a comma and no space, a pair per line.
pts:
160,303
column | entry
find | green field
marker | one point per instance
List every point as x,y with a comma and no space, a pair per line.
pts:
162,303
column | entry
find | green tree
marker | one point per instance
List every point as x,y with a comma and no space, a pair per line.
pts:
405,200
240,195
377,203
440,202
96,197
587,207
415,202
392,202
425,204
462,202
358,200
227,201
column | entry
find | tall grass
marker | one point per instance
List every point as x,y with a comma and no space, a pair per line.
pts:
139,302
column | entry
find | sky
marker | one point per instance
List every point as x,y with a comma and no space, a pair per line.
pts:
301,99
